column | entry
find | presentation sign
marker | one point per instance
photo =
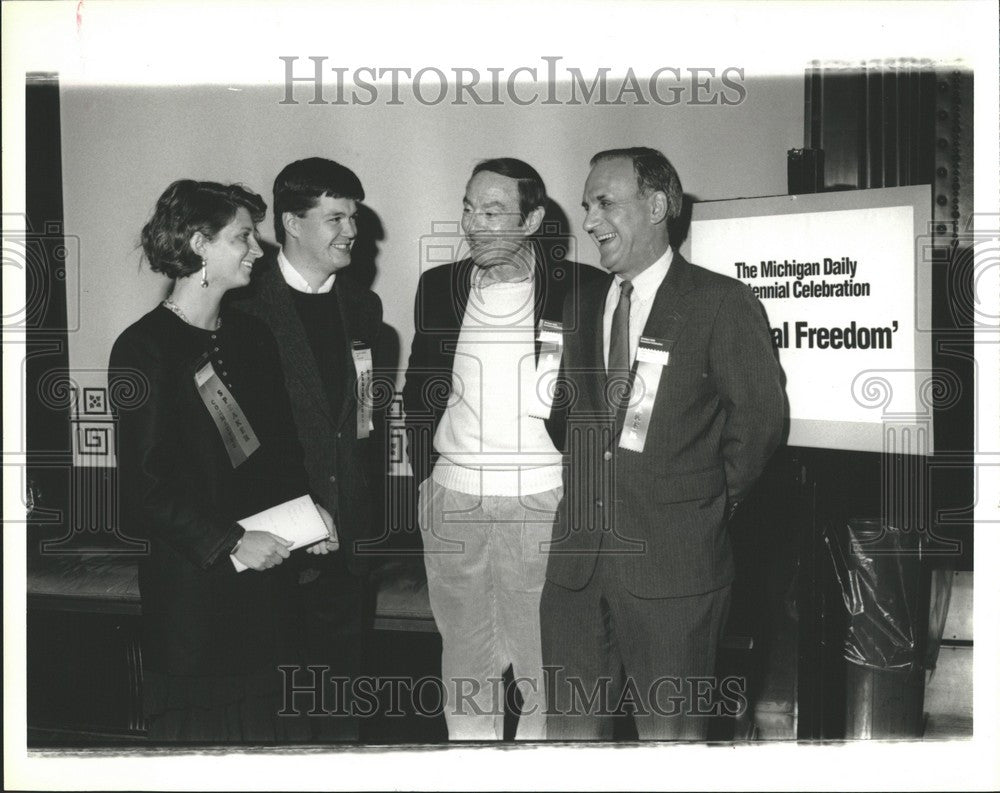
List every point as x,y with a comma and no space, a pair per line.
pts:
839,278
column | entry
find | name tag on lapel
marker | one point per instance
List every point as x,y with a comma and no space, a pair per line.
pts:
237,435
362,355
652,358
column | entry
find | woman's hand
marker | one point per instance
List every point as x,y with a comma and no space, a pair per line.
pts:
325,546
261,549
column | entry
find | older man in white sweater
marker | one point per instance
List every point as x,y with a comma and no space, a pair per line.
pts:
489,455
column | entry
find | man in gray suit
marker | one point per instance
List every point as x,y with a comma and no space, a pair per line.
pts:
678,406
327,328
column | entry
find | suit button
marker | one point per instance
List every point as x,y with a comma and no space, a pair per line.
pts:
333,479
338,434
600,503
607,456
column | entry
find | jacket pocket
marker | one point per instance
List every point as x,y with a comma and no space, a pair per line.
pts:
674,488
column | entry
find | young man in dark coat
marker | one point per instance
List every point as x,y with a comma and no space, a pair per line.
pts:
327,328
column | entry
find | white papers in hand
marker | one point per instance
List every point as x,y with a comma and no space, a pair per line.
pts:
297,520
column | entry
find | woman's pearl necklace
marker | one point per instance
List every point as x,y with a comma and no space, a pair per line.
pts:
170,304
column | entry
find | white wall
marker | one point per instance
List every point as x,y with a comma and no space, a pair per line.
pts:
123,145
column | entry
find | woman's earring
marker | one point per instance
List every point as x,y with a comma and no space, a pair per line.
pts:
204,274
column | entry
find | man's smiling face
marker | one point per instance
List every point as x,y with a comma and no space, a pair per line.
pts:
492,221
325,235
620,220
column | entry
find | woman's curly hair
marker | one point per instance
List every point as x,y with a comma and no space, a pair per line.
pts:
188,206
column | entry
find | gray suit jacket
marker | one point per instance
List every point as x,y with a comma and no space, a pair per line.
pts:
660,515
338,464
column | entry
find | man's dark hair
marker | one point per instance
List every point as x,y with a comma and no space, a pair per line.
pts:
653,172
530,187
300,184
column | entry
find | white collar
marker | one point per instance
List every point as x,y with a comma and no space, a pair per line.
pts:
645,284
295,280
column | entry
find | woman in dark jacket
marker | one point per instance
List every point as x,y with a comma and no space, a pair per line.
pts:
206,438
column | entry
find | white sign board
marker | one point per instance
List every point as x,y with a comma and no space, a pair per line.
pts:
840,277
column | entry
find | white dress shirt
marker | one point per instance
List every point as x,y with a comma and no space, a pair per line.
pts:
644,287
295,280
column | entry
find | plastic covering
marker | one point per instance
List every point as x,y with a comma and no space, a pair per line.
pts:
878,570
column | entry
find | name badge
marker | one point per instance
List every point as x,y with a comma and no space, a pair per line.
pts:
363,368
651,358
550,337
237,435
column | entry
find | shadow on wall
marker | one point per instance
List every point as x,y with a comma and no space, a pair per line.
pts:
682,225
364,254
557,233
556,223
363,270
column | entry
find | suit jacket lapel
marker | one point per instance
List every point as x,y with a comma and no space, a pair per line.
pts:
349,322
592,310
302,372
359,323
666,318
461,288
540,296
669,310
552,280
454,311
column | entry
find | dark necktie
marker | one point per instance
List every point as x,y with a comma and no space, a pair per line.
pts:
619,361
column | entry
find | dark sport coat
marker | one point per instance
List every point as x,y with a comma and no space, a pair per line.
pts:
339,465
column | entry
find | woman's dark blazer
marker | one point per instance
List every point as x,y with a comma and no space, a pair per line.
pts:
181,493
